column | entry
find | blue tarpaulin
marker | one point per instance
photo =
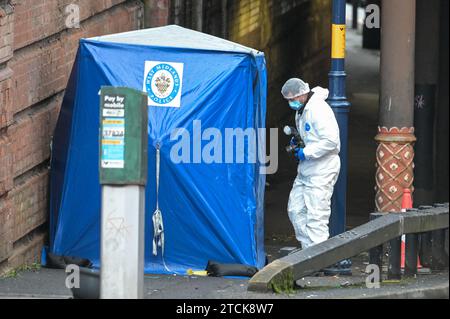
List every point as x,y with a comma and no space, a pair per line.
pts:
197,85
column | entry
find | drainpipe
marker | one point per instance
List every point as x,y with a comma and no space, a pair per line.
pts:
224,11
341,107
178,12
197,8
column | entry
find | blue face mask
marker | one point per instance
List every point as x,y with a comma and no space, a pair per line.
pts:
296,105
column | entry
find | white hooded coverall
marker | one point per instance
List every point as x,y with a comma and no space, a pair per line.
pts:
309,204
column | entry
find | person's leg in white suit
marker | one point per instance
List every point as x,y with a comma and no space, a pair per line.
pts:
318,204
297,211
309,210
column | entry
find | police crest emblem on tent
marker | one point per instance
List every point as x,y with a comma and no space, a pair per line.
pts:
163,83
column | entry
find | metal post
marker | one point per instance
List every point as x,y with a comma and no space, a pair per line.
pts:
439,259
376,254
425,244
341,107
425,249
123,176
411,254
397,63
394,251
122,249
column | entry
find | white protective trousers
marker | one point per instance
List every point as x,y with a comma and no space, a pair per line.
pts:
309,206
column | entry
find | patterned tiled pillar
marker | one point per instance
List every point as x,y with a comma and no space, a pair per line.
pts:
395,167
395,153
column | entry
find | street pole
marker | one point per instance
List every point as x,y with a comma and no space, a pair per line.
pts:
123,176
395,153
341,107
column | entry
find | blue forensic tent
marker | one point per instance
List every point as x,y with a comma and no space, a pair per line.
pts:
211,211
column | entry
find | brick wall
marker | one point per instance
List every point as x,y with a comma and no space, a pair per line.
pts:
156,13
37,51
295,36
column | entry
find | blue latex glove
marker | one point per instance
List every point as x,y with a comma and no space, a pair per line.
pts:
300,154
293,142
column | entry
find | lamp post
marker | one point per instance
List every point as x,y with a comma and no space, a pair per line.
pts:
341,107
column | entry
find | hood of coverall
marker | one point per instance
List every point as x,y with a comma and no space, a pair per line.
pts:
320,93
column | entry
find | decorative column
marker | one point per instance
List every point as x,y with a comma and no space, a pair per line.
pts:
395,167
395,154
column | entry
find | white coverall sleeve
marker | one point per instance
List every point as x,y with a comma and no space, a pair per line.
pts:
326,127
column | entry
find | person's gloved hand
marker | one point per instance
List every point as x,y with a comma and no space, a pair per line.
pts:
300,154
293,141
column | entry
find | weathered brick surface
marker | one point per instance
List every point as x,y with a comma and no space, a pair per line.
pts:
156,13
42,69
6,32
6,180
294,35
5,228
5,97
27,252
34,70
30,136
29,200
36,20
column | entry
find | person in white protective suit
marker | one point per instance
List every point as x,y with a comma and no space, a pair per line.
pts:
309,206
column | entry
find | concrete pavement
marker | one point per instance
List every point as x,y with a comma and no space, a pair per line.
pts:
50,284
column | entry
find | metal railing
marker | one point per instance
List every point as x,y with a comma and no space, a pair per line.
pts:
429,223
